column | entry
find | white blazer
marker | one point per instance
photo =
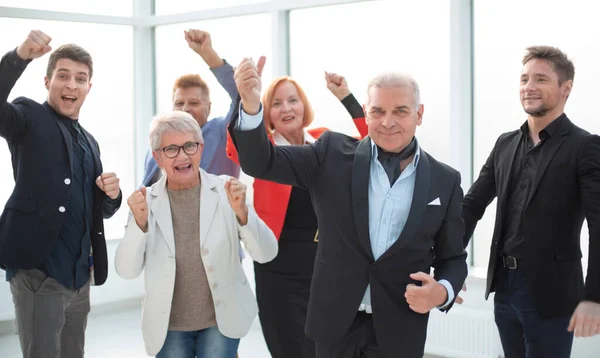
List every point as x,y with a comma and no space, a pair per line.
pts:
220,233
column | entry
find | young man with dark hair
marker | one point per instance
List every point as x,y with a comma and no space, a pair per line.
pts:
52,242
546,176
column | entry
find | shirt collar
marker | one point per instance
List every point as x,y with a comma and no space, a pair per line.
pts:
279,139
549,130
415,160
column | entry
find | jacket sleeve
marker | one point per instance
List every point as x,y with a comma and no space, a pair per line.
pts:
450,256
258,239
13,120
298,165
589,183
480,195
357,113
131,253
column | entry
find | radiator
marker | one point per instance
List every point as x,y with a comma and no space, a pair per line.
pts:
463,333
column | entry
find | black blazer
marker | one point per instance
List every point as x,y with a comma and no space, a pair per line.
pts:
335,170
40,148
565,190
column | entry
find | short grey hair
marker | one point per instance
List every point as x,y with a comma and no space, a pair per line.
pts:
395,80
176,121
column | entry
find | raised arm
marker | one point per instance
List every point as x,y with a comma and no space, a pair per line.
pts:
131,253
259,240
339,87
13,121
201,42
291,165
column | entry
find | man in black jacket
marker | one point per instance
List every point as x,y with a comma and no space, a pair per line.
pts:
388,212
546,176
52,242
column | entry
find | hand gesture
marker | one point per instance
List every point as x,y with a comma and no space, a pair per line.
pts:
139,208
586,319
424,298
236,195
337,85
37,44
109,184
248,82
199,41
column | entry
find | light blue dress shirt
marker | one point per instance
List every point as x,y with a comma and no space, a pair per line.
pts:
388,206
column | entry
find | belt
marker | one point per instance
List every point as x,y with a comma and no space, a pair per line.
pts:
511,263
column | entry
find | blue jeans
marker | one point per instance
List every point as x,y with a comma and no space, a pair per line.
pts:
523,332
206,343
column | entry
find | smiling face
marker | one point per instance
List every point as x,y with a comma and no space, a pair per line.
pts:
68,87
287,110
182,170
541,91
392,117
194,101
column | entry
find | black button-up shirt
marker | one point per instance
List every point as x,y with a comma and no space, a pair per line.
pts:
69,262
525,165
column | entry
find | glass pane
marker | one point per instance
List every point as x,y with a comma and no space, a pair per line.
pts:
498,56
371,39
95,7
166,7
108,110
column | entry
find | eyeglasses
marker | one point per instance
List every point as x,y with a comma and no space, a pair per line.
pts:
172,151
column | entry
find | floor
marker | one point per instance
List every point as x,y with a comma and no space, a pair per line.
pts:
118,334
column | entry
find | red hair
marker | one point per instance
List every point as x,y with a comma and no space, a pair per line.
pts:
309,115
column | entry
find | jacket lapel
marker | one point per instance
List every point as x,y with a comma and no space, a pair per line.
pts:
209,200
161,209
64,131
417,206
361,170
548,152
95,152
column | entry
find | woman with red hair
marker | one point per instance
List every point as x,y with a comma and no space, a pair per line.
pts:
283,285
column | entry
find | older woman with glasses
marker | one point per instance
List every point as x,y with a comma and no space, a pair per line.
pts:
185,231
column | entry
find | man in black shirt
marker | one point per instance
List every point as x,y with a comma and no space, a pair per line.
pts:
52,243
546,176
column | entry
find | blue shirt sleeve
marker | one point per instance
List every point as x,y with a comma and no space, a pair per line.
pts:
450,291
247,122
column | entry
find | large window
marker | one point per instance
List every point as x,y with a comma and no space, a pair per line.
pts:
165,7
108,110
360,40
95,7
499,47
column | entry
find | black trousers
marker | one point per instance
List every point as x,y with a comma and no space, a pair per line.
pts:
524,333
358,342
282,304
